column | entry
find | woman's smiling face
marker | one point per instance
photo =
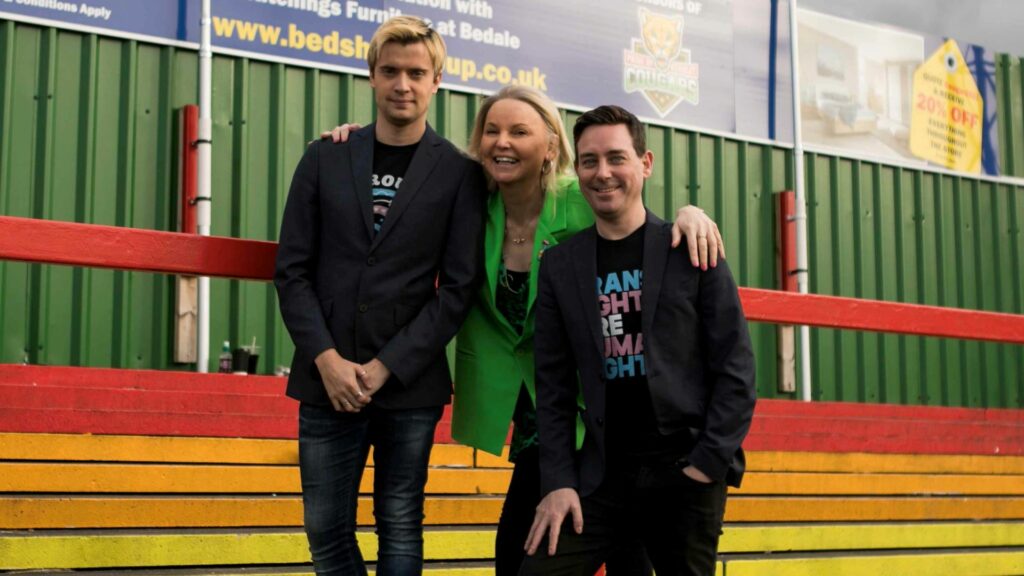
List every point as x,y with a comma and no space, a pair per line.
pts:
515,143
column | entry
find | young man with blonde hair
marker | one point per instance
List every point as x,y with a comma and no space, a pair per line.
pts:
379,257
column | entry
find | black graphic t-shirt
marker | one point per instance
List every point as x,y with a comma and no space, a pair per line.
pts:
631,428
389,166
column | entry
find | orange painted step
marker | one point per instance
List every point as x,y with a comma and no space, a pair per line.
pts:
41,512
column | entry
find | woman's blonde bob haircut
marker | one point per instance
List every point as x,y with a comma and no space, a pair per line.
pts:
407,30
561,166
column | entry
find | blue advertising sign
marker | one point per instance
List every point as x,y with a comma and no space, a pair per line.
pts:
654,56
704,64
668,60
164,20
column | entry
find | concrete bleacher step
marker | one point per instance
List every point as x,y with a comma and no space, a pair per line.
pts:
72,397
182,548
16,446
777,425
155,449
138,478
174,474
429,569
970,562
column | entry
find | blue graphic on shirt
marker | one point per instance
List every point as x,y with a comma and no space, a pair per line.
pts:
384,189
382,198
618,295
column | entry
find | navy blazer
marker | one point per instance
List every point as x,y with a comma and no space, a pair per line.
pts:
700,364
399,295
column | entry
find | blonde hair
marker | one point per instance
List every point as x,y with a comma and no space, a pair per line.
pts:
562,163
407,30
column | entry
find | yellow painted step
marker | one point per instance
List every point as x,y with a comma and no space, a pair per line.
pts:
1002,563
187,478
859,463
32,551
871,509
114,448
152,550
739,538
40,512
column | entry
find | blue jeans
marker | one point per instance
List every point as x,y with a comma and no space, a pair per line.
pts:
332,455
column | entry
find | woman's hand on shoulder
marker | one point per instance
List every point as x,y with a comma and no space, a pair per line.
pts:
703,239
340,133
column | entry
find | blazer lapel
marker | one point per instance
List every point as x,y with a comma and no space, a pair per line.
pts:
553,220
493,236
656,251
585,263
361,149
423,163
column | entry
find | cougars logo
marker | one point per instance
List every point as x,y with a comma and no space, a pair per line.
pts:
657,65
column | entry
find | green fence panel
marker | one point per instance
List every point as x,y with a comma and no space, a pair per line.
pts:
89,133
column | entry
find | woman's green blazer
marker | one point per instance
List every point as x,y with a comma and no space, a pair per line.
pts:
491,360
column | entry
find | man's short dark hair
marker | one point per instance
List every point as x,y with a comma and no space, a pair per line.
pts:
610,115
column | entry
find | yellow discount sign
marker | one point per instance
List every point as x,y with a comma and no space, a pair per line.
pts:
945,125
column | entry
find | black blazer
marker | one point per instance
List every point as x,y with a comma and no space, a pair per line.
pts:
341,286
700,365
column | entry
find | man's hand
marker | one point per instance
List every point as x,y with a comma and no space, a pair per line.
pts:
373,376
550,514
702,236
341,379
340,133
696,475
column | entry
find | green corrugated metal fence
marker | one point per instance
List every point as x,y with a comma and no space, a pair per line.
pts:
88,133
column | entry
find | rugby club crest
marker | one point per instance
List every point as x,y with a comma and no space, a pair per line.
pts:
658,66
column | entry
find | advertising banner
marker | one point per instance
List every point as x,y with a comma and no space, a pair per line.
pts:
713,65
945,125
667,60
881,92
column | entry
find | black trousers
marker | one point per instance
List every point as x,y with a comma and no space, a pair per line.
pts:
517,517
677,520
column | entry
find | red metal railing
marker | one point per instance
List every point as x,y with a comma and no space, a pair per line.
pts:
175,253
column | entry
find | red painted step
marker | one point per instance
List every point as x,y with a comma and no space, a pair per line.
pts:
140,379
105,401
887,411
135,400
62,421
805,434
148,424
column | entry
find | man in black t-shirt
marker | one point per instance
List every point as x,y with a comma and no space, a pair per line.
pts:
379,257
662,353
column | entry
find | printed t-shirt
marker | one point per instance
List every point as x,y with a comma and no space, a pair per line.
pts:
390,164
